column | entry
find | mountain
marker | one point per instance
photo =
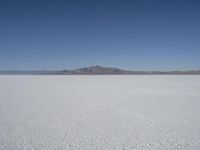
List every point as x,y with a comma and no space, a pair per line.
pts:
99,70
96,70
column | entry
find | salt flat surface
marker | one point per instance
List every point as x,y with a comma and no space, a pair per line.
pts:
100,112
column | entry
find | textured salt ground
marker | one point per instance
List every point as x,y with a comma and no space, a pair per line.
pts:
99,112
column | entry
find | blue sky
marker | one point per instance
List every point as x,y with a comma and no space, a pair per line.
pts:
129,34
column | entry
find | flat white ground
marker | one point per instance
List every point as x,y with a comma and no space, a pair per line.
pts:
100,112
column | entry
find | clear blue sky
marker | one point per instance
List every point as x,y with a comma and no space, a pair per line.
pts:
129,34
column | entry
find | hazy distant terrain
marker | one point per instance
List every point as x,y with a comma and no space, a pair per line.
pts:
99,112
99,70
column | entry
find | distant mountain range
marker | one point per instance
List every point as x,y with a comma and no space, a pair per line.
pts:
99,70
